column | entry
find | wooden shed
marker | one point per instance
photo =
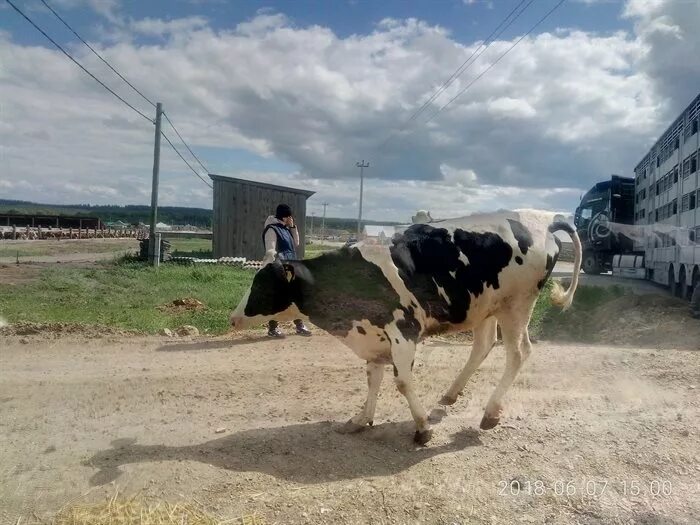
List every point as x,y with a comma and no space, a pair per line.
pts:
240,209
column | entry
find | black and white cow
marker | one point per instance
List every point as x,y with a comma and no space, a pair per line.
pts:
454,275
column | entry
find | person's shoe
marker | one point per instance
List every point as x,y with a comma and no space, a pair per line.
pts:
275,332
302,330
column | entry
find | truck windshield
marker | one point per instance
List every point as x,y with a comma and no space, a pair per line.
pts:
587,211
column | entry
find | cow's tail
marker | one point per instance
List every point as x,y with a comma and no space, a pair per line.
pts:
559,296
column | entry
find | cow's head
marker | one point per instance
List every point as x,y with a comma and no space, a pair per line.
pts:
274,294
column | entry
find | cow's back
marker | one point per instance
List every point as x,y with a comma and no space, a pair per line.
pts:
463,270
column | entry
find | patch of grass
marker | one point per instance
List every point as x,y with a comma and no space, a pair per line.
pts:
119,510
543,308
127,295
549,321
194,247
314,250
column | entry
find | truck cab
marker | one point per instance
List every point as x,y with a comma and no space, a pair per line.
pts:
610,201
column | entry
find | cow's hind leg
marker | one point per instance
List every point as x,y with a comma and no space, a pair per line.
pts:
517,346
403,353
484,339
375,373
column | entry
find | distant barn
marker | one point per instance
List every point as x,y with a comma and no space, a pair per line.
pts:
378,233
240,209
22,220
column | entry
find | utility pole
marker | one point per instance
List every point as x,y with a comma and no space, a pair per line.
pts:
323,223
153,246
362,165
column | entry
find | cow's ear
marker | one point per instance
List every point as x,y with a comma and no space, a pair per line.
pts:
289,272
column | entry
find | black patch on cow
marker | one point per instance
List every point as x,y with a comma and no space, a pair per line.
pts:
522,235
361,330
426,255
397,340
518,259
412,363
270,292
343,287
396,371
409,326
382,339
549,266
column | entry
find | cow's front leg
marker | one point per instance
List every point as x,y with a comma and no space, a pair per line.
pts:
403,353
375,373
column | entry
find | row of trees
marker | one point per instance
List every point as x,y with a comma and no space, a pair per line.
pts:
133,214
130,214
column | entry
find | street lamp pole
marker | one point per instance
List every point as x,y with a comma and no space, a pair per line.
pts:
362,165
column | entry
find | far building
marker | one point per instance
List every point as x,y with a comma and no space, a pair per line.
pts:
240,209
378,234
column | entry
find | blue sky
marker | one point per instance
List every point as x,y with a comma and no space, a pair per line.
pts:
465,21
294,92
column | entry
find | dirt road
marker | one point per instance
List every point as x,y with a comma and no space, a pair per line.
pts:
591,434
64,251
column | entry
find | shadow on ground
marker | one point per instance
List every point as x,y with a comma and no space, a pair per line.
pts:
303,453
217,344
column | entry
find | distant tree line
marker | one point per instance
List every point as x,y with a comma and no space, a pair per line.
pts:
130,214
133,214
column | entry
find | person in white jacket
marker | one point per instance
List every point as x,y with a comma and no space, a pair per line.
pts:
281,238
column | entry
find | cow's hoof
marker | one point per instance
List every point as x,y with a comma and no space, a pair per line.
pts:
352,428
488,422
422,437
447,400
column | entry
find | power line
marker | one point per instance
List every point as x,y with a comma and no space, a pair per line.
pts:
97,54
60,48
185,160
124,79
75,61
185,143
465,65
495,61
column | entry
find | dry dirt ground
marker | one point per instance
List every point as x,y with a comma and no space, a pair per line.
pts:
591,434
65,250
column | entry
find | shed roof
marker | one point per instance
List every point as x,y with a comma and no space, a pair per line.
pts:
262,185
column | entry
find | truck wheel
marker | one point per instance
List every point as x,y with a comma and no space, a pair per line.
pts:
682,287
590,264
672,286
695,298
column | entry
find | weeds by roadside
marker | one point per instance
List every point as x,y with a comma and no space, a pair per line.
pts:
127,294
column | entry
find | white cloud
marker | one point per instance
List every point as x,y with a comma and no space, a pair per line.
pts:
668,34
560,112
158,27
456,176
508,107
105,8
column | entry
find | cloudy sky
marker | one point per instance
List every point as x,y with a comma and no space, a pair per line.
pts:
296,92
